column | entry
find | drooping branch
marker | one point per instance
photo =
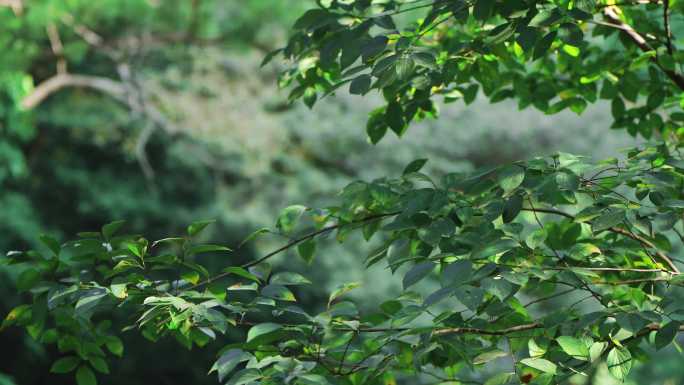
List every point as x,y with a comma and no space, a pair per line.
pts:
612,15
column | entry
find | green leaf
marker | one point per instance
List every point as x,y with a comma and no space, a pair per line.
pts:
27,279
373,46
85,376
198,226
191,276
342,290
417,273
228,361
541,364
596,350
114,345
110,229
119,290
199,249
404,67
245,376
571,50
483,9
574,347
536,238
543,45
307,250
65,364
51,244
581,251
16,315
500,379
288,278
289,217
414,166
458,273
360,85
86,303
512,208
666,334
240,272
534,349
99,364
494,248
511,177
278,292
488,356
376,128
261,330
619,362
608,220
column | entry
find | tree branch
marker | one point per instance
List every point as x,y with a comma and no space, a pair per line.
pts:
668,261
612,15
56,83
295,242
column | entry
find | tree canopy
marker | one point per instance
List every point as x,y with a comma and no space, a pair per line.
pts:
476,252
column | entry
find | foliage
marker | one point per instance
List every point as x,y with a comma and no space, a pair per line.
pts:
495,244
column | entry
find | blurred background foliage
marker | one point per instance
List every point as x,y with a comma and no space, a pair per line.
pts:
184,125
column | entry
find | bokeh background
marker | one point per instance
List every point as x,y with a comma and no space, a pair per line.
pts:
203,132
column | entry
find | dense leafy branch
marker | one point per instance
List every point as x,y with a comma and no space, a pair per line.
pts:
591,244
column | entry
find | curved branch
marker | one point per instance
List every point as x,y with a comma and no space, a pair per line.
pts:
63,80
611,14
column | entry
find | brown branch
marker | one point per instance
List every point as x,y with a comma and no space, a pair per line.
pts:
58,82
666,25
668,261
16,5
612,15
57,47
295,242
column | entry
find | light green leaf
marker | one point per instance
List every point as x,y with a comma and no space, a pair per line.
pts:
574,347
245,376
541,364
278,292
511,177
240,272
288,278
534,349
289,217
500,379
307,250
198,226
262,329
199,249
619,362
114,345
342,290
488,356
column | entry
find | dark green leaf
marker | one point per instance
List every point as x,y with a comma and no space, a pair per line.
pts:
65,364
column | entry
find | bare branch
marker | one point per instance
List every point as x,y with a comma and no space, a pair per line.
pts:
56,83
16,5
57,47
